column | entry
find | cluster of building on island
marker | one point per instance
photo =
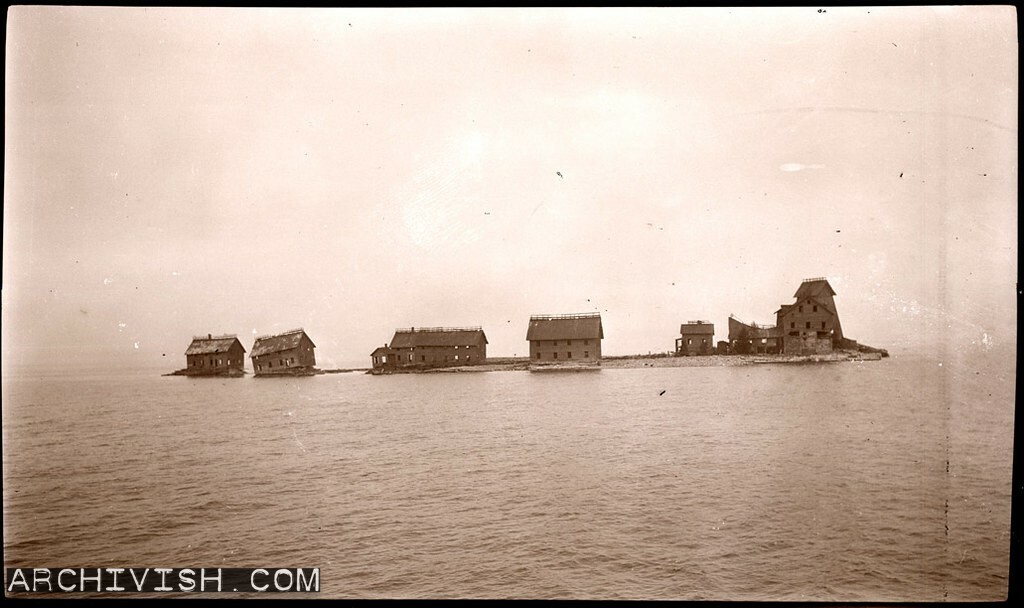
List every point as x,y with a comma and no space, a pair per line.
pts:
810,325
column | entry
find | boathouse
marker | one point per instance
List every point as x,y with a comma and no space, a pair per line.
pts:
214,355
810,325
695,338
750,338
572,337
433,347
289,353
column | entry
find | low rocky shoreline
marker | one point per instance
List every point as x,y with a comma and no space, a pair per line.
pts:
639,361
509,364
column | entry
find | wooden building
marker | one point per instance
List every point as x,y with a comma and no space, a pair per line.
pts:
810,325
384,358
432,347
290,353
753,338
211,355
695,338
562,338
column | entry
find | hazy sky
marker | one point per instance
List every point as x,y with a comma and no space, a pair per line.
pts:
171,172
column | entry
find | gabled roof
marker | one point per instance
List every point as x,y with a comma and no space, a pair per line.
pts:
212,345
812,288
786,308
274,344
437,336
382,350
696,329
565,327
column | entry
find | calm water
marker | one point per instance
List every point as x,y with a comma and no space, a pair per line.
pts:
820,482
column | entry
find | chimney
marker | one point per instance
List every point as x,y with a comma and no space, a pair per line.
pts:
209,336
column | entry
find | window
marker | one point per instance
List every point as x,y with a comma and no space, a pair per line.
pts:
554,355
270,365
568,342
554,343
568,355
467,358
456,347
586,342
807,325
815,308
423,358
689,341
586,354
792,325
801,309
537,356
823,325
456,356
410,357
259,367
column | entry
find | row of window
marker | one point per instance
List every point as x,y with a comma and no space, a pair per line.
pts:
555,342
568,355
290,361
423,359
435,346
801,308
807,325
209,361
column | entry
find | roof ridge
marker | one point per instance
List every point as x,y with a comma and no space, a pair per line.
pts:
284,333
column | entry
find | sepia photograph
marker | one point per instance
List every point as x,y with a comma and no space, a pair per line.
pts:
510,303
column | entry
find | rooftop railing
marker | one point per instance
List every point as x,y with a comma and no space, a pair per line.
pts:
213,337
581,315
409,330
814,279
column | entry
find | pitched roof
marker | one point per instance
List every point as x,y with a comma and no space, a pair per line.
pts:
565,327
786,308
382,350
811,288
437,336
212,345
277,343
696,329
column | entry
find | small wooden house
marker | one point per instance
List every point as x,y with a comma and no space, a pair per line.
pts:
565,338
290,353
383,358
211,355
695,338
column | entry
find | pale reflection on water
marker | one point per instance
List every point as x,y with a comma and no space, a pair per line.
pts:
812,482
